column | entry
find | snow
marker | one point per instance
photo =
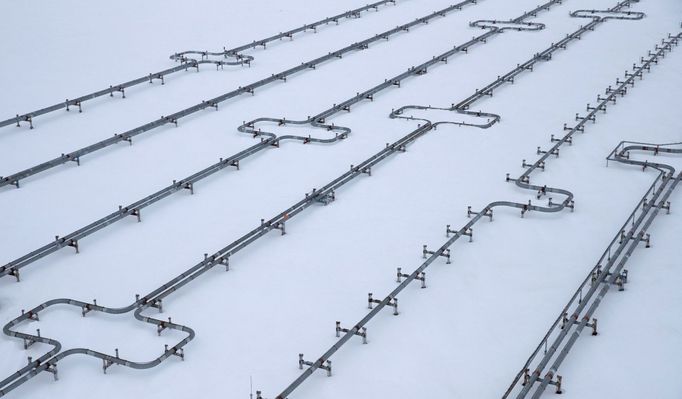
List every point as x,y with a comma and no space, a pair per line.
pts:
467,334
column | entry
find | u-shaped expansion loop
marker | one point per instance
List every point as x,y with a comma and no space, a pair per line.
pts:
498,25
340,132
490,118
187,62
15,178
241,59
603,15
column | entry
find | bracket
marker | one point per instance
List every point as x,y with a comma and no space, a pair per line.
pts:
157,303
162,326
156,76
359,331
393,302
523,179
52,368
108,362
662,205
322,366
25,118
326,198
645,237
69,103
445,253
488,213
421,276
540,165
553,139
179,352
14,272
69,243
131,212
554,152
565,320
87,308
28,342
580,129
31,315
570,205
113,89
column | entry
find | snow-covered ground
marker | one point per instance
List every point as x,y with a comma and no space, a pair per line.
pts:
465,336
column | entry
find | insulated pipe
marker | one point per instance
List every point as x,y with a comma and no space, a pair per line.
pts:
234,53
127,136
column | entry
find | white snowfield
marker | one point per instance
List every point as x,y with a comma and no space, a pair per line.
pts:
468,333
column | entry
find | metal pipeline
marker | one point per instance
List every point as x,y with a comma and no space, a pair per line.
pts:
579,299
462,107
186,62
127,136
268,140
612,270
324,195
48,362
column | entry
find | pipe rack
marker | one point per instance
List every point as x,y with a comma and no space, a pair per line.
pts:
268,140
578,300
609,270
325,195
173,118
186,62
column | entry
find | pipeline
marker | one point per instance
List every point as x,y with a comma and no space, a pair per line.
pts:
15,178
580,300
598,17
523,181
154,299
236,54
268,140
325,195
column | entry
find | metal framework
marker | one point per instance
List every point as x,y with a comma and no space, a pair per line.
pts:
268,140
127,136
584,297
154,299
637,233
235,54
609,273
